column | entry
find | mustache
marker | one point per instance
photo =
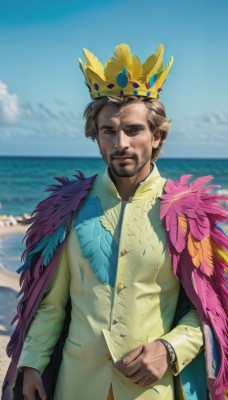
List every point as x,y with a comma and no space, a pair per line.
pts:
121,153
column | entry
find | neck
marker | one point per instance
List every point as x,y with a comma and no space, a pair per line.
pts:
127,186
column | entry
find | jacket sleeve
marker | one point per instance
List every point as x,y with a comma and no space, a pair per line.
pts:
186,339
47,324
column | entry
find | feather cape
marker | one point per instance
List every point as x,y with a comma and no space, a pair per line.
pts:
50,225
199,251
197,245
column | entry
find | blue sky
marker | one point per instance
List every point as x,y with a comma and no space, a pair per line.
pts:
42,93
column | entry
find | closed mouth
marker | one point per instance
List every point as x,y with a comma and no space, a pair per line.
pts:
122,158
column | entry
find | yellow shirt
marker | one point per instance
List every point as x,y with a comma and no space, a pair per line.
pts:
123,294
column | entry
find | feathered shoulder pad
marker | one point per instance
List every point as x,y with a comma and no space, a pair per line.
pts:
191,214
52,219
198,247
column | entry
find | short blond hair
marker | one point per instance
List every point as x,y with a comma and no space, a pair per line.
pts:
156,114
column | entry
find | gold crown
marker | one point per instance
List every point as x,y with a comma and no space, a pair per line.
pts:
124,75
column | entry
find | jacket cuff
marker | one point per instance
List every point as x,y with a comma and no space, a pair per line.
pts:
186,340
33,359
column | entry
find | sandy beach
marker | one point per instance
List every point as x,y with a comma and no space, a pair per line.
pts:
8,299
9,287
12,230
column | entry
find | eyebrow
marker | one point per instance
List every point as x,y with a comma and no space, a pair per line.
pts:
102,127
136,125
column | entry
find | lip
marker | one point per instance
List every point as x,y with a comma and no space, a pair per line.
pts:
122,158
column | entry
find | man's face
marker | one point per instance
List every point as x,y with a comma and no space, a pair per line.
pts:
125,139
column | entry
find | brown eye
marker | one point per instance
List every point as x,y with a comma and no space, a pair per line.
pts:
134,130
109,132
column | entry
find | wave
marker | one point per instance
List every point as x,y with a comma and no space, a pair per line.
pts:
223,193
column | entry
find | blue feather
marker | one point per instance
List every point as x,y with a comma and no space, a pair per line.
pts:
97,244
221,229
23,266
47,245
152,80
54,239
122,79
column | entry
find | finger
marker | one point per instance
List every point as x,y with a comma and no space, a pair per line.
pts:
29,396
146,381
137,377
132,368
129,370
41,391
133,355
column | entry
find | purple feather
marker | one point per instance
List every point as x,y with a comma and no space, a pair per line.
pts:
59,208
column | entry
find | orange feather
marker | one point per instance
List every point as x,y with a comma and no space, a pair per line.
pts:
201,253
183,223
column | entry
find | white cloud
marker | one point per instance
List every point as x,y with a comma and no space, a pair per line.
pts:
38,124
9,106
216,118
207,128
25,120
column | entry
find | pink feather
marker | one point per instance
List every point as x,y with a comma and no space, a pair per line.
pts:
207,291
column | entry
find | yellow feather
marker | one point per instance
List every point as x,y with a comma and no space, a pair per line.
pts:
163,75
220,252
154,63
136,70
81,66
122,58
93,77
110,71
93,63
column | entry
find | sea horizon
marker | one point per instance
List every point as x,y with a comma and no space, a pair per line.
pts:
99,157
23,179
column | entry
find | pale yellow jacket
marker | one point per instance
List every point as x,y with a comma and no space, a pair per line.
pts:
108,322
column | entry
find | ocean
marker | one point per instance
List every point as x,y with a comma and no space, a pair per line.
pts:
24,179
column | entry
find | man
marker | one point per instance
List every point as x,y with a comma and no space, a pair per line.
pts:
114,263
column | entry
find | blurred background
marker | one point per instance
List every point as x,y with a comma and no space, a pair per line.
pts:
42,90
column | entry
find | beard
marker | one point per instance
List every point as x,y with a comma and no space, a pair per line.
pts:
122,170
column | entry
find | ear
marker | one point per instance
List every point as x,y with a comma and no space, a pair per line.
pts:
157,138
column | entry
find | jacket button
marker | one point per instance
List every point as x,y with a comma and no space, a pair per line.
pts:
123,252
108,357
115,322
120,287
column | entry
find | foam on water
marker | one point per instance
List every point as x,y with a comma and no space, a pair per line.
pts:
11,249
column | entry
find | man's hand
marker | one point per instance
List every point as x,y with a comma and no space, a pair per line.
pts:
146,364
32,382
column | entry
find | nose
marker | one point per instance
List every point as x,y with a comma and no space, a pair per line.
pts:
122,141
